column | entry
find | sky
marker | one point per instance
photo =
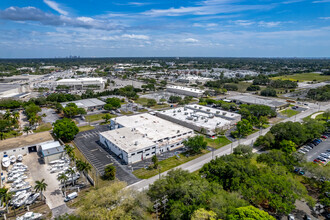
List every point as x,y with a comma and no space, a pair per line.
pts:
164,28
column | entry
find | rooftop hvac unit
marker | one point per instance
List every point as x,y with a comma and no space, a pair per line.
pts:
211,115
206,120
178,131
195,106
179,110
195,119
174,111
186,113
200,107
208,109
232,114
135,143
184,109
174,114
217,112
189,118
224,113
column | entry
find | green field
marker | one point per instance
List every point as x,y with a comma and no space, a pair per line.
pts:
44,127
86,128
142,101
166,165
97,117
289,112
242,86
218,142
303,77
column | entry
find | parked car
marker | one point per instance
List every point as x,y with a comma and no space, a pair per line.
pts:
291,217
325,137
306,217
296,170
302,172
308,147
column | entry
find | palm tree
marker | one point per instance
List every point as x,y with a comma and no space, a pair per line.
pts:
16,115
7,115
27,129
63,178
69,151
40,186
83,167
71,172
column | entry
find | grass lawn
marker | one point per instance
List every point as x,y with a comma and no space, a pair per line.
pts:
242,86
321,117
166,165
141,101
85,128
303,77
143,110
160,106
289,112
44,127
218,142
97,117
126,113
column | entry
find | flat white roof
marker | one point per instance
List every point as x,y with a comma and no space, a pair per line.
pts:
202,116
185,89
85,103
143,130
81,80
50,145
248,98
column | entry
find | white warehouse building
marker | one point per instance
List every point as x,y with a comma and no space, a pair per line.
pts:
138,137
185,91
82,83
201,118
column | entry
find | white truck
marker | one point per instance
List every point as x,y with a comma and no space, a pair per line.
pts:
71,196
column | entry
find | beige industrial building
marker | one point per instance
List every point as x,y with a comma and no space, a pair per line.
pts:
138,137
87,104
51,151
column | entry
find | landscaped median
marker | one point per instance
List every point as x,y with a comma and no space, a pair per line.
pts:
97,117
167,164
86,128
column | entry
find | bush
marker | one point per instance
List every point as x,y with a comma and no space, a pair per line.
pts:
253,88
109,172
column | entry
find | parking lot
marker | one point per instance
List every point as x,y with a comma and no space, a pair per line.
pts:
316,151
51,115
88,143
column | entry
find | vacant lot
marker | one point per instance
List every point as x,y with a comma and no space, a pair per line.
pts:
304,77
44,127
85,128
218,142
166,164
97,117
289,112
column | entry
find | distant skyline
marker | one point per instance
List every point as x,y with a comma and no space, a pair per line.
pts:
120,28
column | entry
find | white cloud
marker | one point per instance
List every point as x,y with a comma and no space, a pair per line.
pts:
190,40
207,25
243,22
324,18
269,24
55,6
136,36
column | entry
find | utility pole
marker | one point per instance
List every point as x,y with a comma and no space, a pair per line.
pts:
164,201
231,147
157,204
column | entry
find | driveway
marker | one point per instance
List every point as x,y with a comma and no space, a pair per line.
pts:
53,194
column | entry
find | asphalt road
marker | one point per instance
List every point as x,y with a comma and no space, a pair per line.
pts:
198,163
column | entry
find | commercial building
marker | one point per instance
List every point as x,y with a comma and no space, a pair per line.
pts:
82,83
200,118
51,151
87,104
138,137
251,99
185,91
24,144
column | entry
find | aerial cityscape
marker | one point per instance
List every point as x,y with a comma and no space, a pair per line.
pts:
193,110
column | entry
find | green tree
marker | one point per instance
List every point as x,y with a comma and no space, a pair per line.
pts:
63,178
154,159
326,114
27,129
151,102
71,172
109,172
40,187
250,213
202,214
65,129
195,144
244,151
83,167
287,146
243,128
106,118
112,103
